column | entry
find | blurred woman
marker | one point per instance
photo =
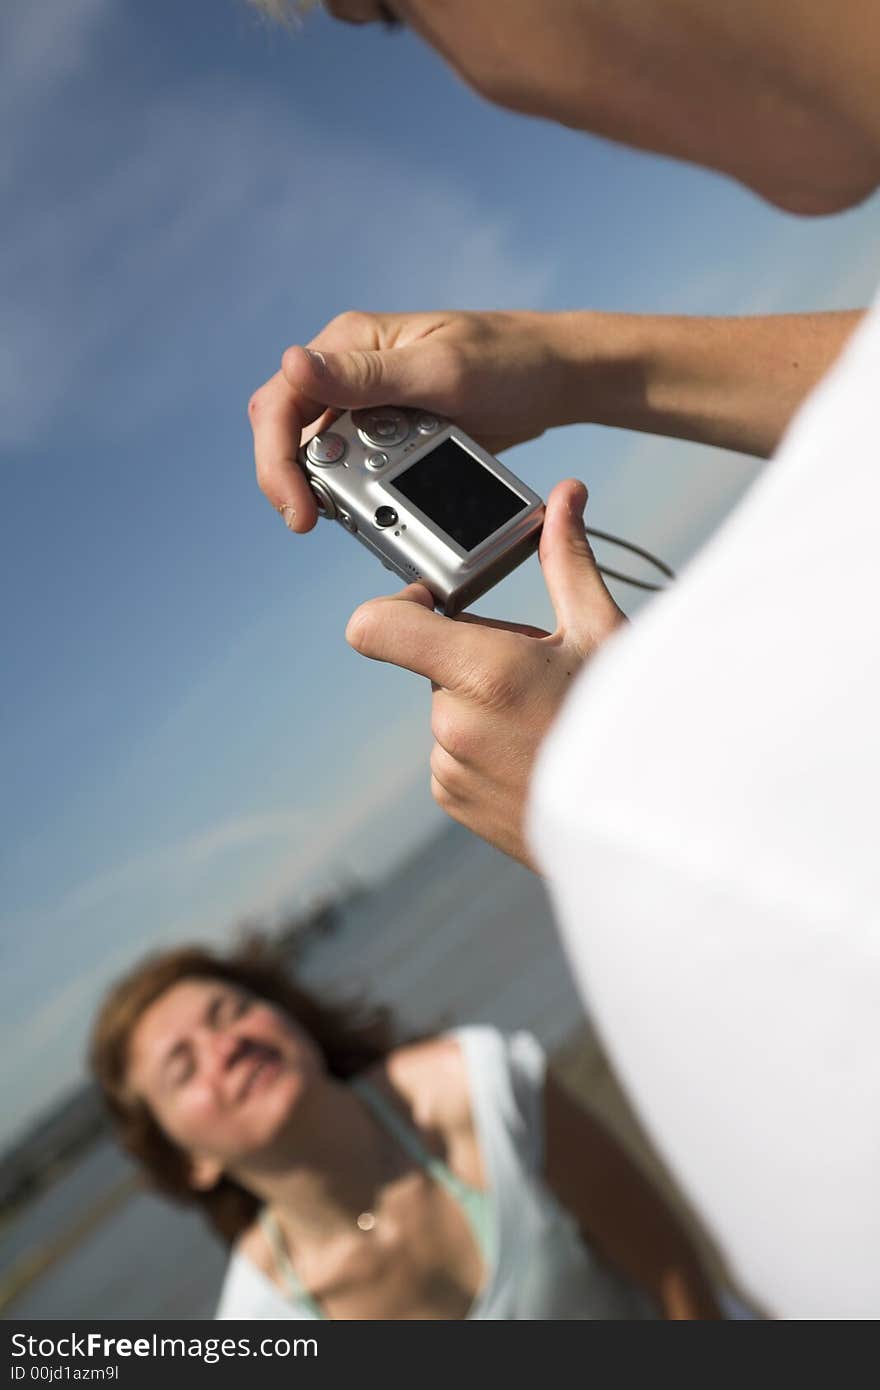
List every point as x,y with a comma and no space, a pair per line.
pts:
354,1176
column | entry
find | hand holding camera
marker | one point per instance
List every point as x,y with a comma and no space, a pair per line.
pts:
503,378
497,686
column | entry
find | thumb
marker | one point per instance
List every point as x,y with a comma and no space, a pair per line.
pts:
363,376
582,604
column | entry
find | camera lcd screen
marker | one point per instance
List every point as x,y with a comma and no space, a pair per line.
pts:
458,494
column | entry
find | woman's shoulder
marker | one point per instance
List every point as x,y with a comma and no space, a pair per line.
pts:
429,1081
439,1076
431,1078
469,1086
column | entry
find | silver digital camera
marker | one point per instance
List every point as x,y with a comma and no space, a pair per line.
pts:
427,500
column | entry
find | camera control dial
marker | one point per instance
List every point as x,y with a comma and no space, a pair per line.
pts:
381,426
324,500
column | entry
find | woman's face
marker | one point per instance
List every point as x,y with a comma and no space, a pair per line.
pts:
221,1071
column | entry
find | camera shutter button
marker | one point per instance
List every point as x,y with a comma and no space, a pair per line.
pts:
325,448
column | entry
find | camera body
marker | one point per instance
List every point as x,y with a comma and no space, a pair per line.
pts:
425,498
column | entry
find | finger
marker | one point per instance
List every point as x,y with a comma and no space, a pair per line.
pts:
581,601
449,773
524,629
277,415
344,332
323,422
404,631
447,800
417,375
411,593
458,729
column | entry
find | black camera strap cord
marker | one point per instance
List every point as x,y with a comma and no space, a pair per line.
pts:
636,550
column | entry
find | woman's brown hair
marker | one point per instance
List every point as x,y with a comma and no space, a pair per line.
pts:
350,1036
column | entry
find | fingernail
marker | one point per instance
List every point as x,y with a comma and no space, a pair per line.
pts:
288,515
317,360
577,502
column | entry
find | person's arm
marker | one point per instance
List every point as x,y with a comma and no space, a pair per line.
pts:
619,1212
506,377
731,382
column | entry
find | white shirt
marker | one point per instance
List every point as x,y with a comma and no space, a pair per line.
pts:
538,1267
707,813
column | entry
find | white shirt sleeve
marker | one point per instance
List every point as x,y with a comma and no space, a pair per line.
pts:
506,1073
707,813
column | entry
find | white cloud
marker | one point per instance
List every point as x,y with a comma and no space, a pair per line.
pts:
385,773
44,1048
109,891
41,43
848,280
673,495
120,280
310,841
51,1021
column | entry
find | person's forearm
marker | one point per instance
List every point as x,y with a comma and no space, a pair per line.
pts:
621,1213
731,382
648,1244
686,1297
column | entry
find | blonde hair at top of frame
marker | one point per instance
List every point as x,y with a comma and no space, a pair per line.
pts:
285,11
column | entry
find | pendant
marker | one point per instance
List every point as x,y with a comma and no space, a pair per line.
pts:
366,1221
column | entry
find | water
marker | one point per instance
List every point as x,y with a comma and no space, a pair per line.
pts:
460,934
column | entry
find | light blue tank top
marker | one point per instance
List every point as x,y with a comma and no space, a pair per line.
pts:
475,1203
537,1265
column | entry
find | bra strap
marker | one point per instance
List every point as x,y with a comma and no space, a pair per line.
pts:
409,1140
295,1287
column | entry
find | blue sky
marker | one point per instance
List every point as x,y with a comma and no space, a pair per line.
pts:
186,738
